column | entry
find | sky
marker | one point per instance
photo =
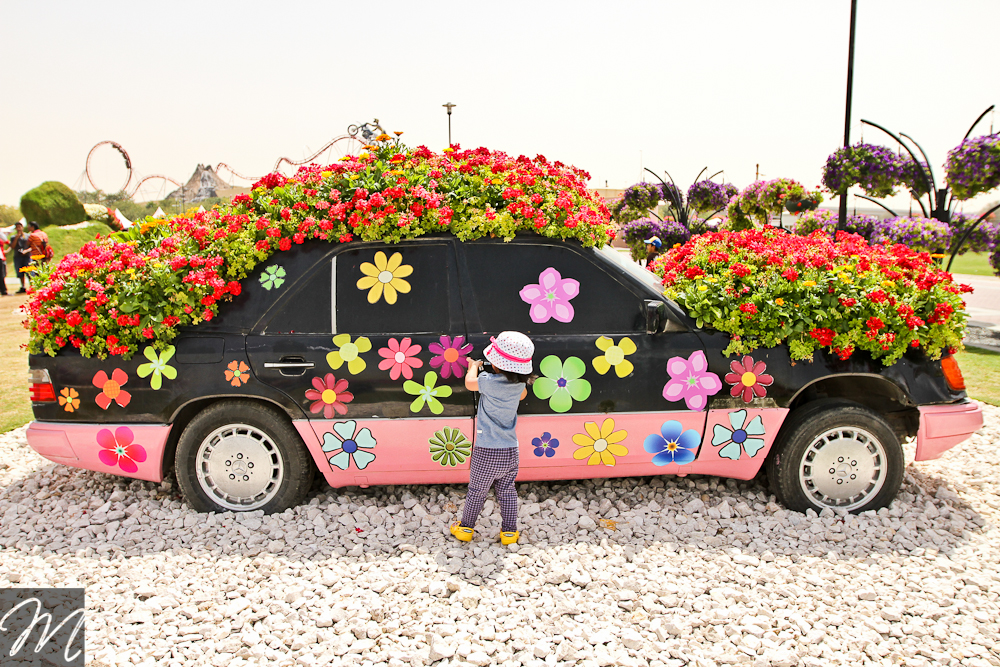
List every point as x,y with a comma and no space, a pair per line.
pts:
608,87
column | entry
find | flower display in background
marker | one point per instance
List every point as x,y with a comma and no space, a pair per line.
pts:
349,445
673,444
973,167
748,379
118,449
876,169
761,199
428,393
550,297
545,445
384,278
452,356
600,445
984,237
562,382
707,196
691,381
69,398
237,373
737,439
614,356
330,396
400,358
157,366
348,353
272,277
920,234
636,232
111,388
450,447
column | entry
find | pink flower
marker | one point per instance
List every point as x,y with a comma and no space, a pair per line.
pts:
330,395
691,381
550,297
451,355
118,450
401,357
748,379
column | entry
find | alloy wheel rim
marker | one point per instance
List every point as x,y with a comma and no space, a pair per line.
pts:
239,467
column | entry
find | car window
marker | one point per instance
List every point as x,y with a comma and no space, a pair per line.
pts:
548,289
307,310
623,260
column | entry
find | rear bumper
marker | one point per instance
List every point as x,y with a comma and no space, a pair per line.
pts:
130,450
944,426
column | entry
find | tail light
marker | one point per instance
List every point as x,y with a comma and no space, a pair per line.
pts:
40,386
952,373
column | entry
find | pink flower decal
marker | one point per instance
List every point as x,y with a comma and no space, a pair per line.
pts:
451,356
748,379
330,395
111,388
691,381
550,297
400,357
117,449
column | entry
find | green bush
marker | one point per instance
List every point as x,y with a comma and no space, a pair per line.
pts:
9,215
52,203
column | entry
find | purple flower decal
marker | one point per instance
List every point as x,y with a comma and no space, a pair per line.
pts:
550,297
545,445
691,381
451,356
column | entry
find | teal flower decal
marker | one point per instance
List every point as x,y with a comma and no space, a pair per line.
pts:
739,436
427,392
273,277
450,447
347,445
157,366
562,383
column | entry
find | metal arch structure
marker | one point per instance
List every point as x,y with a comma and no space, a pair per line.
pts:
367,131
118,147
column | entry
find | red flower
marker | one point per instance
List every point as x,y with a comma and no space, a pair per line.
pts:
748,379
824,336
693,272
847,302
111,388
88,329
748,308
790,274
742,270
284,244
234,288
330,396
875,324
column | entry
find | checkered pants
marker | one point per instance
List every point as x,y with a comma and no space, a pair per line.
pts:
495,468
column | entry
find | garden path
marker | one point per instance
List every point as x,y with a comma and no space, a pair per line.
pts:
984,302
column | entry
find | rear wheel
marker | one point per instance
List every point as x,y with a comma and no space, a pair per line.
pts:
237,456
836,455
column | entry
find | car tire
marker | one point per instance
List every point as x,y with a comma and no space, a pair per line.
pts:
237,456
838,455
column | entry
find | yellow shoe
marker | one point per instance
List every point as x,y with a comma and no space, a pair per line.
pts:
462,533
509,537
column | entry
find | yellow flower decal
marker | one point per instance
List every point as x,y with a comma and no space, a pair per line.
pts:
349,353
614,355
600,445
385,277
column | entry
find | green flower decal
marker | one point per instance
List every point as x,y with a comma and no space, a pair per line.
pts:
157,366
562,383
428,392
273,277
349,353
450,447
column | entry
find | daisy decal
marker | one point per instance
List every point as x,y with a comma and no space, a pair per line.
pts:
673,444
400,358
549,298
738,437
545,445
69,398
384,278
349,353
427,392
748,379
348,445
330,396
691,381
157,367
237,373
452,356
600,445
614,356
562,383
111,388
118,450
450,447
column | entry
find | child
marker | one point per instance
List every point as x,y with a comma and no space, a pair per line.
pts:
494,456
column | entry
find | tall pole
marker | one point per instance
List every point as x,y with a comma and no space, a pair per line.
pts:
449,106
842,218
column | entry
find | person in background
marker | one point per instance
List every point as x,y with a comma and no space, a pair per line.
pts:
4,244
38,241
21,250
653,244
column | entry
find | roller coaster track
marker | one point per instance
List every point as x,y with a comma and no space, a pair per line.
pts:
128,163
149,178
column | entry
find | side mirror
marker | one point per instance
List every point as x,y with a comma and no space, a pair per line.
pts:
655,312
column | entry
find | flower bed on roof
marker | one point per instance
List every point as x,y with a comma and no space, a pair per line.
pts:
137,287
767,287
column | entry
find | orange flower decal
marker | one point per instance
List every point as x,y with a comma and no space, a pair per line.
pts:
69,399
111,388
237,373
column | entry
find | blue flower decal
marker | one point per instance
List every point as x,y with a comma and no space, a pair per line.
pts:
673,444
347,445
545,445
739,436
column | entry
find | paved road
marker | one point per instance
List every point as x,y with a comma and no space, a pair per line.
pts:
984,302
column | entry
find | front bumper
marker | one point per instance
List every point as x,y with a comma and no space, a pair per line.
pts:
944,426
81,445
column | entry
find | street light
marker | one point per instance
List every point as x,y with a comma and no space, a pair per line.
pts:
449,106
842,217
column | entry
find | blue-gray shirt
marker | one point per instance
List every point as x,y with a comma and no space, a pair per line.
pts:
497,418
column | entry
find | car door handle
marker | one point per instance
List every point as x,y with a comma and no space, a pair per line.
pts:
290,366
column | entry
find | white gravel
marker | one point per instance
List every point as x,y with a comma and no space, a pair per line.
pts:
650,571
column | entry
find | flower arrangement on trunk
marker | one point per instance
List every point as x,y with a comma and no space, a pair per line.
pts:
759,200
137,287
767,286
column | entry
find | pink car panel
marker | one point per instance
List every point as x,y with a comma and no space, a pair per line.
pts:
130,450
944,426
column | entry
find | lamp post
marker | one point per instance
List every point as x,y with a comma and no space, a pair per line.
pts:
449,106
842,218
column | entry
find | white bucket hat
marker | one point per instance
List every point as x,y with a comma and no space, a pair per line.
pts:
511,351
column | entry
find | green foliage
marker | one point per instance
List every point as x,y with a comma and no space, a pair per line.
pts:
52,203
65,241
9,215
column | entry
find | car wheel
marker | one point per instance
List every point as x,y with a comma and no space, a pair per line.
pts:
836,455
238,456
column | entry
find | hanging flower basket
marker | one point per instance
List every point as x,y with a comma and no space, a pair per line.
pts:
876,169
802,204
707,197
973,167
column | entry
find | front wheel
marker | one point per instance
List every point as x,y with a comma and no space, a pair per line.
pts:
236,456
836,455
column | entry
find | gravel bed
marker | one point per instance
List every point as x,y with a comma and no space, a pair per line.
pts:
649,571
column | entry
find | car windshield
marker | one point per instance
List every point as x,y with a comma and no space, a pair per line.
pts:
623,260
